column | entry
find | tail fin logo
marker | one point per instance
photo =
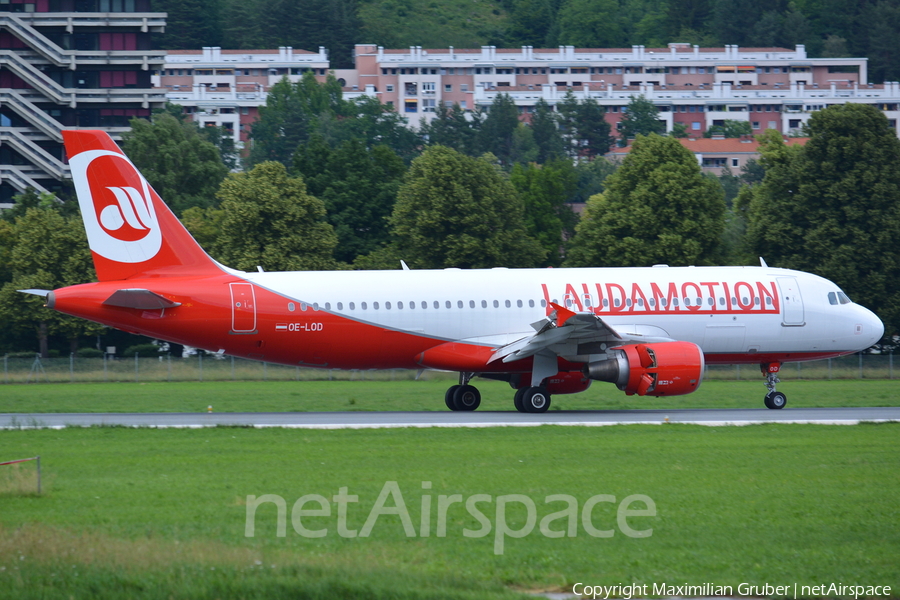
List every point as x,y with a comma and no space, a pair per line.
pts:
117,205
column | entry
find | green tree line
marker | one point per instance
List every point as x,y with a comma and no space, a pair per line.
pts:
866,28
332,184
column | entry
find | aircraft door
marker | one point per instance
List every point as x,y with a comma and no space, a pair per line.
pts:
791,302
243,308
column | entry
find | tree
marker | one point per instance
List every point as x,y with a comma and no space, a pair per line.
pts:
585,126
293,111
454,128
832,207
182,166
359,189
498,128
545,191
271,221
657,208
641,118
456,211
590,24
547,137
730,129
190,24
48,251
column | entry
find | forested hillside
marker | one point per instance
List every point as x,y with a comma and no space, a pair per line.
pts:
827,27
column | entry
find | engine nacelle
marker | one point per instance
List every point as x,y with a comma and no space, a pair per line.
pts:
567,382
663,369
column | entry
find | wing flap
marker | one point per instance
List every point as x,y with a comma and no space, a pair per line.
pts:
563,329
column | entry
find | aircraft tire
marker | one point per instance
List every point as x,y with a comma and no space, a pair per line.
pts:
466,398
536,400
448,397
775,400
520,393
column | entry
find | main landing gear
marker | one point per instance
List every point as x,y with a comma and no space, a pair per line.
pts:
774,399
535,399
465,397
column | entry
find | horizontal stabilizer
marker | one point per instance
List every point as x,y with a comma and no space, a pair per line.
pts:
140,299
42,293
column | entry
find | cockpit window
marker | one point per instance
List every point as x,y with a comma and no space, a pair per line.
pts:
843,298
832,298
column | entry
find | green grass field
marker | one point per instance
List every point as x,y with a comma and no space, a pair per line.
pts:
159,513
303,396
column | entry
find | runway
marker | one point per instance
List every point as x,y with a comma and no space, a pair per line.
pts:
375,420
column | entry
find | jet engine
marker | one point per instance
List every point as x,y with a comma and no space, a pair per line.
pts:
663,369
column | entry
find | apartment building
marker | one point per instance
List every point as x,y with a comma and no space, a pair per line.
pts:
69,63
770,88
225,88
717,154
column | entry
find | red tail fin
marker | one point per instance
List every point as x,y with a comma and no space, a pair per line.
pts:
130,230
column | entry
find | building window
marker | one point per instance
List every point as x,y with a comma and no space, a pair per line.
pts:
462,104
389,88
411,106
428,87
428,105
411,89
464,87
735,162
713,162
755,124
695,125
448,88
773,124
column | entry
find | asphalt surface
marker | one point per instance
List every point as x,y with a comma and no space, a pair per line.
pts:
367,420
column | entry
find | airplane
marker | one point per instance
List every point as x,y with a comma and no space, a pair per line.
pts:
649,331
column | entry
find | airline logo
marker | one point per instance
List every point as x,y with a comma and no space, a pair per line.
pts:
117,206
704,297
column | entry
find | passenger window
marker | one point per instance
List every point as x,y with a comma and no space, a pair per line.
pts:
471,304
412,304
543,304
508,304
352,306
291,306
437,304
363,306
531,304
496,304
459,304
484,304
387,305
519,303
328,306
340,305
375,305
400,305
424,304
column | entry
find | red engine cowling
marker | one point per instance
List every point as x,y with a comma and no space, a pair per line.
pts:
567,382
664,369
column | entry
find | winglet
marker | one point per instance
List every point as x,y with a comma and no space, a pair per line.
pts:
762,262
561,314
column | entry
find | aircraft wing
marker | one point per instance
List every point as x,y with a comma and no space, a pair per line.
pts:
565,332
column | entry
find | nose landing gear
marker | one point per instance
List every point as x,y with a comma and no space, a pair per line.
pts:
774,399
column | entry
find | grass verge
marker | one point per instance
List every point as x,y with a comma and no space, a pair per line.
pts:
304,396
768,503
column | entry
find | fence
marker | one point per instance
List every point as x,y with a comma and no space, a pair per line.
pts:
212,368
